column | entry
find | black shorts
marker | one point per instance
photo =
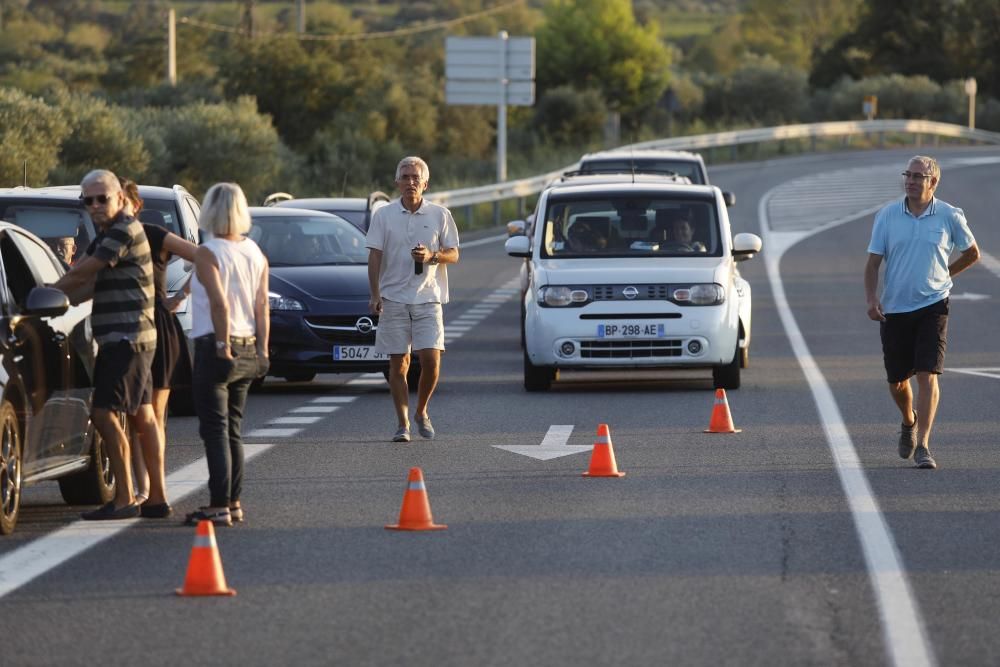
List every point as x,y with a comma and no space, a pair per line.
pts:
915,342
122,378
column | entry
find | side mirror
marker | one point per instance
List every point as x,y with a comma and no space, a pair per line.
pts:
46,302
745,246
516,228
729,198
518,246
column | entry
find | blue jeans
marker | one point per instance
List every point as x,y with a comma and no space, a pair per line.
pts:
219,388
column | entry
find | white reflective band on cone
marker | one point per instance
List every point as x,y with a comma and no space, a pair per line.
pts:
204,540
416,486
603,440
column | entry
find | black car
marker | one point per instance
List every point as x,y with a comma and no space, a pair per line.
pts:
356,210
47,359
318,294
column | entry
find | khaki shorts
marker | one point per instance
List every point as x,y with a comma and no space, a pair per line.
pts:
402,327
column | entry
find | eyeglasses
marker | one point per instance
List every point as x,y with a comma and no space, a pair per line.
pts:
916,175
408,179
98,199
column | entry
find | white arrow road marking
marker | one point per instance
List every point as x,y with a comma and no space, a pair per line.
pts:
968,296
553,445
992,373
39,556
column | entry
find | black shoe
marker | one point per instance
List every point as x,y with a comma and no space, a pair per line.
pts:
217,517
924,460
908,438
109,513
155,511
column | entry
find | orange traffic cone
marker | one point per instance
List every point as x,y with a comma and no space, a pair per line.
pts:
722,421
602,459
204,573
415,514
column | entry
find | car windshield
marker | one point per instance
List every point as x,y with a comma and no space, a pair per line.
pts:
630,225
161,212
309,241
664,167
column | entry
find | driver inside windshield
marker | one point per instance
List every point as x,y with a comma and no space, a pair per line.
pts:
678,233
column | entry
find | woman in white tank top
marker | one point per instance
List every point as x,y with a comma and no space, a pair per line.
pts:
230,326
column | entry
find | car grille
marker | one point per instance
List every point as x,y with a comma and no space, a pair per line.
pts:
630,349
341,328
615,292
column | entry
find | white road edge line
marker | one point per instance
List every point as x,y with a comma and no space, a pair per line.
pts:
37,557
904,631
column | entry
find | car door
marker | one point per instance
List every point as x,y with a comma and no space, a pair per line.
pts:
55,413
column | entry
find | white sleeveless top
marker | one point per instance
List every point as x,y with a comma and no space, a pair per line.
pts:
241,266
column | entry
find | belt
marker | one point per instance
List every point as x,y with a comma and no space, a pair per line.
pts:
243,340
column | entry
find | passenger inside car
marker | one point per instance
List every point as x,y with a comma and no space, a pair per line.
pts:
588,234
674,231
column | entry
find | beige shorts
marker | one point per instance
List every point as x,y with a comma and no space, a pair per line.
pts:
402,327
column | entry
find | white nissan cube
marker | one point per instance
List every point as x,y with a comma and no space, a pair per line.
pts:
633,271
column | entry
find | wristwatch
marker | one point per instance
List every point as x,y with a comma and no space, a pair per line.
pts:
433,259
222,345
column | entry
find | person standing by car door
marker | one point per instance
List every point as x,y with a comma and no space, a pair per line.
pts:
230,327
117,272
916,235
409,242
171,361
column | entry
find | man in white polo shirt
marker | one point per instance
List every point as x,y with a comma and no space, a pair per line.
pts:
409,242
915,236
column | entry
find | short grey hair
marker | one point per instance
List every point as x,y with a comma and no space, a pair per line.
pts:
928,163
104,177
413,160
225,210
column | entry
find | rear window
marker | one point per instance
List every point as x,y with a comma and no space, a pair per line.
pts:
630,226
51,222
162,212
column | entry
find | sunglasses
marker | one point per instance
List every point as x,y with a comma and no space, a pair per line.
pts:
96,199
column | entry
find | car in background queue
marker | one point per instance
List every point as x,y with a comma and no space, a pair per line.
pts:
356,210
318,294
47,357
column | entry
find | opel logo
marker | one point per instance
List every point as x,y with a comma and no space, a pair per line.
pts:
630,292
364,325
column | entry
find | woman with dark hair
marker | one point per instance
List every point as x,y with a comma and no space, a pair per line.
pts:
172,361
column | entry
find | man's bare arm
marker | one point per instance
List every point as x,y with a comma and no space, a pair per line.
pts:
871,287
968,257
78,283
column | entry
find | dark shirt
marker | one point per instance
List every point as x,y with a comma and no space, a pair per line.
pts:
156,235
123,293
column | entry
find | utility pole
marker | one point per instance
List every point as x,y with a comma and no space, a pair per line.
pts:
300,16
970,90
171,47
248,6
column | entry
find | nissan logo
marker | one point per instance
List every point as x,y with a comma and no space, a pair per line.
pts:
630,292
364,325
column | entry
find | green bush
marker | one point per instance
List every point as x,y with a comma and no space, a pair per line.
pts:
30,132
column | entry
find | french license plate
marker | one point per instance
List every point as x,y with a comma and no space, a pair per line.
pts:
630,330
357,353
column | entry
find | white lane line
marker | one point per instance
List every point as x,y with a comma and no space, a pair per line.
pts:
294,420
485,241
325,409
273,433
34,559
334,399
904,631
557,435
992,373
989,262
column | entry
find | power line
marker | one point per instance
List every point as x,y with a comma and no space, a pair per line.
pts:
357,37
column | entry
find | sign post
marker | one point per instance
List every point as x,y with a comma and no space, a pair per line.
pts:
491,71
869,106
970,90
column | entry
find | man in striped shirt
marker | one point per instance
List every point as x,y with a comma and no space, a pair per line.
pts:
117,272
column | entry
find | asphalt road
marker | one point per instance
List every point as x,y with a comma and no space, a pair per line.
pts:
802,540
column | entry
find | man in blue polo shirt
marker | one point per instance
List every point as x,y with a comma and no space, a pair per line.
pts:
915,236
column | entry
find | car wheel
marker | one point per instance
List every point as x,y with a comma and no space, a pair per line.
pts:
412,377
96,484
181,402
301,377
745,357
523,317
727,376
538,378
10,468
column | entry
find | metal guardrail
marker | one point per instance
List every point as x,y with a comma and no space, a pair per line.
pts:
529,186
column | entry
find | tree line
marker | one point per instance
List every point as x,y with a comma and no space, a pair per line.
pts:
82,84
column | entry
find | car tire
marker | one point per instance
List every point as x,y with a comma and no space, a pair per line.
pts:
745,357
96,484
524,316
10,468
538,378
181,402
304,376
727,376
412,377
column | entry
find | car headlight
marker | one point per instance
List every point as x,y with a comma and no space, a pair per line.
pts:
279,302
702,294
558,296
